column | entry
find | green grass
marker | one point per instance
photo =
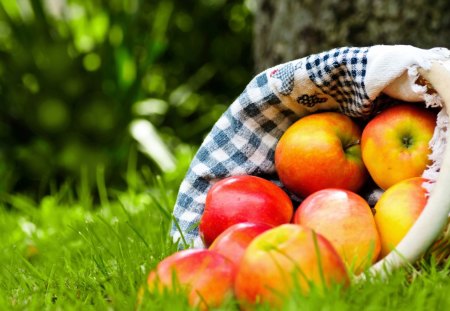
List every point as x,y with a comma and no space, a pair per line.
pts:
68,254
60,254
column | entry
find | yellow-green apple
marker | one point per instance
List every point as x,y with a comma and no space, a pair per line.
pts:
394,143
346,220
286,260
206,277
233,242
397,210
243,198
320,151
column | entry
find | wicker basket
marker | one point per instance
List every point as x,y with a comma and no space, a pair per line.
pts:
429,233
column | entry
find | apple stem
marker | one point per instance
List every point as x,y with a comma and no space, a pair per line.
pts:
351,144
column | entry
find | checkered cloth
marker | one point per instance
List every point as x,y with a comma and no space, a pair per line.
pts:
243,140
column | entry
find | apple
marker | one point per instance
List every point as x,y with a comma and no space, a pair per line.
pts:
394,143
397,210
285,260
320,151
243,198
205,276
346,220
233,242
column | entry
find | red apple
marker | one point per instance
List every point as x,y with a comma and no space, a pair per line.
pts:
320,151
397,210
233,242
243,199
286,260
206,277
346,220
394,143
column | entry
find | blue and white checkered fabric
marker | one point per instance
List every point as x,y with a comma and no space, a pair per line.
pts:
340,73
244,138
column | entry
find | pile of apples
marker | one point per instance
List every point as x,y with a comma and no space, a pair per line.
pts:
260,249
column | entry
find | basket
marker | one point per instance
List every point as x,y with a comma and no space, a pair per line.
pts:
430,226
270,103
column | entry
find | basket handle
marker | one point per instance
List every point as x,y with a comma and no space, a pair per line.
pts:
433,218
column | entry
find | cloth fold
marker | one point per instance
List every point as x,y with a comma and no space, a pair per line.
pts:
243,140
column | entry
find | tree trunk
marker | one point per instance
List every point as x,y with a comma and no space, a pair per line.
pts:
290,29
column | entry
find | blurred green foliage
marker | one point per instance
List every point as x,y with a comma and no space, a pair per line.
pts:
74,74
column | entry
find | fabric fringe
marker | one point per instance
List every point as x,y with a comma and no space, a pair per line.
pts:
439,140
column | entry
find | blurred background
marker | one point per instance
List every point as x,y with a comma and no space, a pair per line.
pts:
92,87
92,91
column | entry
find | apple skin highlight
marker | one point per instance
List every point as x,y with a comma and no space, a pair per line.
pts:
205,276
395,143
243,198
285,260
397,210
321,151
346,220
